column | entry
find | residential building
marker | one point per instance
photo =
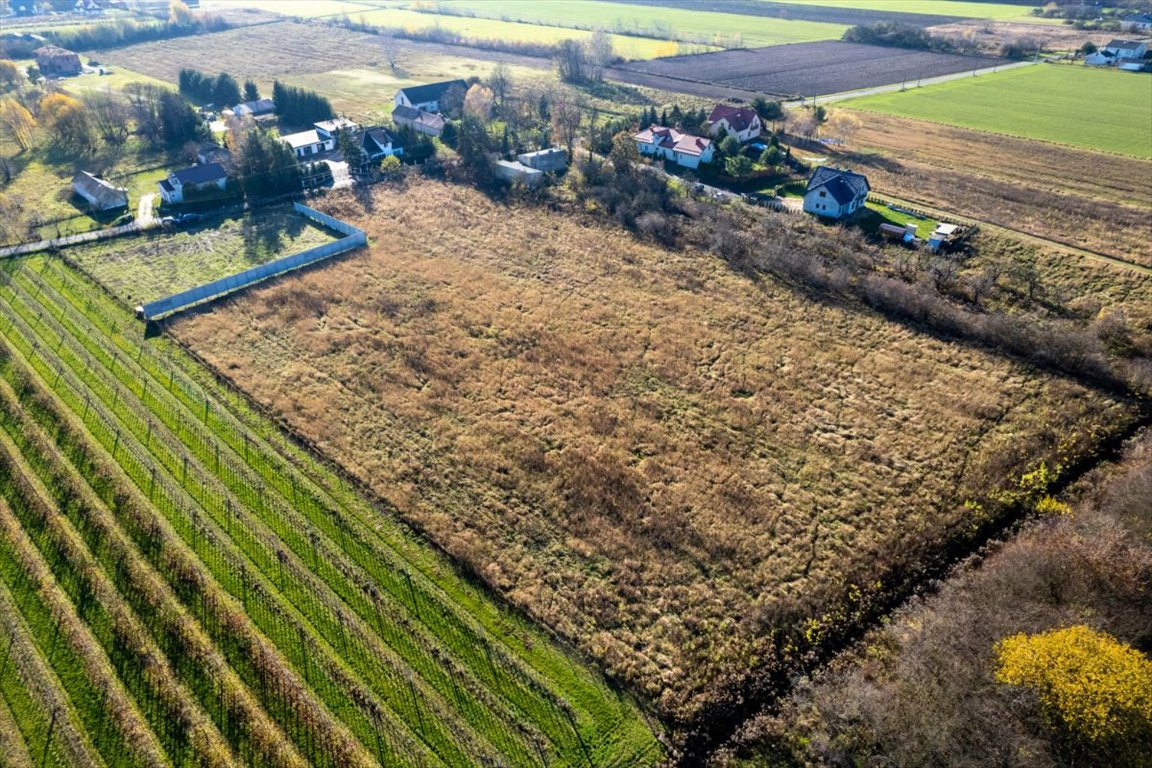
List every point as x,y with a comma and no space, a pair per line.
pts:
328,129
377,144
258,108
199,180
1126,49
308,143
546,160
55,61
419,120
1138,23
684,149
428,97
213,153
834,193
100,194
739,122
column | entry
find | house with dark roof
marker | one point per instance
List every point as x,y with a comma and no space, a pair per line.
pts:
1139,23
834,193
377,144
55,61
258,108
209,152
740,122
684,149
197,181
428,96
100,194
1126,49
418,120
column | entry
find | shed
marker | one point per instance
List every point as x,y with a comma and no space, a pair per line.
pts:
551,159
512,171
100,194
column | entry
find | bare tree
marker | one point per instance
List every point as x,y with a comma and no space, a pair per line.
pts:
109,115
572,61
600,54
391,48
567,115
500,81
478,102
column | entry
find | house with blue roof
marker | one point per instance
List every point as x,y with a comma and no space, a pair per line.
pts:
834,193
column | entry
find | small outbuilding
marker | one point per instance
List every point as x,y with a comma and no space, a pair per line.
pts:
547,160
101,195
514,172
257,108
835,193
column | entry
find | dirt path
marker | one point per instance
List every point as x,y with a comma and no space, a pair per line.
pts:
1016,233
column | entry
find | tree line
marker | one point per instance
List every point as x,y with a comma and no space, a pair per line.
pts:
299,106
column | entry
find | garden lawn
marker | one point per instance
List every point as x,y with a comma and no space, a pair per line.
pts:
723,29
1100,110
151,267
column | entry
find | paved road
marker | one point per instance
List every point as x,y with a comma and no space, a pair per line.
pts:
908,84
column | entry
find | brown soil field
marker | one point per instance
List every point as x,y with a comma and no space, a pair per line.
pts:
990,35
284,49
668,463
806,69
1096,201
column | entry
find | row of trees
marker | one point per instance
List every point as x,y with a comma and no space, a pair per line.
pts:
299,106
584,61
222,90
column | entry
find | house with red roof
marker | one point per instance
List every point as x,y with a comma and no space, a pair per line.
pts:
742,123
681,148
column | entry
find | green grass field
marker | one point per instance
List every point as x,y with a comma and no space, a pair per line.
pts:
154,266
721,29
997,11
307,9
181,585
1094,109
627,46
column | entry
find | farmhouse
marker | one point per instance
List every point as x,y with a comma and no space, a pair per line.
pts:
428,97
546,160
419,120
834,193
742,123
1126,50
55,61
101,195
681,148
190,181
258,108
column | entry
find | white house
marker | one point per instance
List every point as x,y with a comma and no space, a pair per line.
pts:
740,122
428,97
1126,50
681,148
198,178
328,129
377,143
419,120
308,143
834,193
101,195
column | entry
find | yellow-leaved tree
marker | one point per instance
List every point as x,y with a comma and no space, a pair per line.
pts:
1096,687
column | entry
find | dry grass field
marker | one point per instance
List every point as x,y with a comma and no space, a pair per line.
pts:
1088,199
655,456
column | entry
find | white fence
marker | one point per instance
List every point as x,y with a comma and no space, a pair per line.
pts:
353,238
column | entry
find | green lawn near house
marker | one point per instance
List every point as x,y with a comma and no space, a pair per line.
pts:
1108,111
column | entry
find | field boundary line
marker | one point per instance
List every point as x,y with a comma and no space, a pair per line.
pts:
920,83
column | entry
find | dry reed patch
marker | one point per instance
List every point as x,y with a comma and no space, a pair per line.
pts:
1093,200
655,456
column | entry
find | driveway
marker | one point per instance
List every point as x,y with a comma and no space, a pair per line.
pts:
144,209
341,176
